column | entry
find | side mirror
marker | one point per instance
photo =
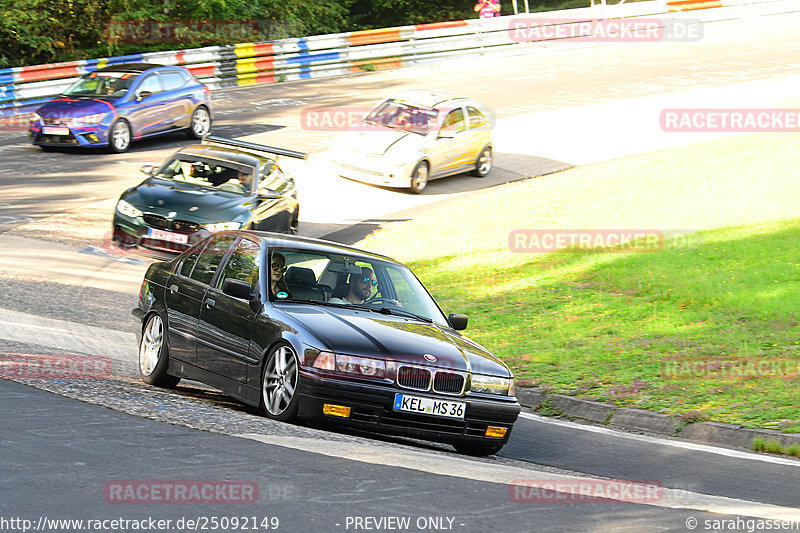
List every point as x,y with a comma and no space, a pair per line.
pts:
458,321
148,170
242,290
141,95
447,134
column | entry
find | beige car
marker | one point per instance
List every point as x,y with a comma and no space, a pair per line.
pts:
416,137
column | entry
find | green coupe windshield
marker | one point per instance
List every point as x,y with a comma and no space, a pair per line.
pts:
209,174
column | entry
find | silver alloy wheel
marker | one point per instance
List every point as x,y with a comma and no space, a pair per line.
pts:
420,177
485,162
121,135
201,122
150,347
280,381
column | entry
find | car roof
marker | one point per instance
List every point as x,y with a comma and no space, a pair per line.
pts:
135,67
425,98
283,240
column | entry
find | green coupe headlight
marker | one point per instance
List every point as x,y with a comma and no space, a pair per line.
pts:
491,385
127,209
222,226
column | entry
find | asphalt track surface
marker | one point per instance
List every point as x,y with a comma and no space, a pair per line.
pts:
58,453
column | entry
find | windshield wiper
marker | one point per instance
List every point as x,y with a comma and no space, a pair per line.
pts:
403,312
391,311
382,310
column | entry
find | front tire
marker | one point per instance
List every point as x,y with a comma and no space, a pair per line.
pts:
279,382
200,123
154,354
419,178
294,222
483,165
119,136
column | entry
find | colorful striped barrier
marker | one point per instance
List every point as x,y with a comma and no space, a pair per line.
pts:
691,5
23,89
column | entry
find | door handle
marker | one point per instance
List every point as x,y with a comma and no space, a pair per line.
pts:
173,289
210,303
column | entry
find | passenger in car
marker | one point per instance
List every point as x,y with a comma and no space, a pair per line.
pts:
277,284
359,288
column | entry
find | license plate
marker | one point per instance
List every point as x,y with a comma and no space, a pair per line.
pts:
429,406
167,236
49,130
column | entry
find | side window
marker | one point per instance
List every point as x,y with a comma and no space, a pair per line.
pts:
206,265
150,84
476,118
243,264
172,80
454,121
188,264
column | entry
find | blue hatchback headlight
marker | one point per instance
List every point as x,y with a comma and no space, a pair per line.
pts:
92,119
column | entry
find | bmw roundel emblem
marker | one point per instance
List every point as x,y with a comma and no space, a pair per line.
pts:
429,357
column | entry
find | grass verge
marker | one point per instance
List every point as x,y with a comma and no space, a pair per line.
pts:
704,328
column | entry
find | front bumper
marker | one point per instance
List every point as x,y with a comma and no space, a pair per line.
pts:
133,233
72,136
371,409
376,172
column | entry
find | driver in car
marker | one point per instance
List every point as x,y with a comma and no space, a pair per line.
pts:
359,288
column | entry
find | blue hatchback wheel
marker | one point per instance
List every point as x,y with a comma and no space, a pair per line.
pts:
201,123
120,136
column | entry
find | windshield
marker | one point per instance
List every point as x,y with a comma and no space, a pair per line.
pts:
350,282
397,114
102,85
210,174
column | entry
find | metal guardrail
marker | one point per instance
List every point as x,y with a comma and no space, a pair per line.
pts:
24,89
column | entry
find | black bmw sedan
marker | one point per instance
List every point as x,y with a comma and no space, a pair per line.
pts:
221,184
309,328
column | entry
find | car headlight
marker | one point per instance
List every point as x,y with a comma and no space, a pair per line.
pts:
348,364
492,385
222,226
92,119
127,209
35,117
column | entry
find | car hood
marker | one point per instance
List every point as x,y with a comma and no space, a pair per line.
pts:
370,334
381,140
75,107
200,205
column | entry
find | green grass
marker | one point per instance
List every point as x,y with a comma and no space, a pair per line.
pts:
607,325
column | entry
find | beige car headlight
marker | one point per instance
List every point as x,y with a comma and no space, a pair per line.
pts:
492,385
222,226
127,209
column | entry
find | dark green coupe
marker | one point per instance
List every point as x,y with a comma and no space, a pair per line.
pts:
218,185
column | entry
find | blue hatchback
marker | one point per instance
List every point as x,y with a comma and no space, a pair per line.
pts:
114,105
